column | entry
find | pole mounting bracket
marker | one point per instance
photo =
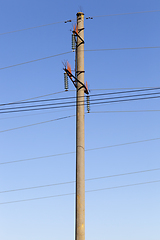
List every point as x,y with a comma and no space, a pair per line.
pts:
70,75
76,34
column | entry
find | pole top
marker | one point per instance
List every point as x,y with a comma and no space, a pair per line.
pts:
80,14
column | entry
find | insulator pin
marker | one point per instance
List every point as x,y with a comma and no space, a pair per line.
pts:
88,104
66,81
73,42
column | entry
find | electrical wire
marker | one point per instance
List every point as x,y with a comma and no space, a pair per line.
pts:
35,60
68,194
34,114
89,179
74,104
73,97
61,103
127,111
120,14
49,94
44,25
109,89
90,50
35,158
27,99
125,100
34,124
116,111
86,150
117,49
70,20
122,144
125,96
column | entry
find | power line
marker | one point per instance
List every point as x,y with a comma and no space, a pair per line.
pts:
122,144
94,190
109,111
90,50
126,100
117,49
104,89
73,97
34,124
91,149
34,114
129,185
27,99
89,179
35,158
44,25
100,101
119,14
61,103
35,60
70,20
125,96
128,111
67,98
109,89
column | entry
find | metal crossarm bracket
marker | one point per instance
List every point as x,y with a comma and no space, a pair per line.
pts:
70,75
78,36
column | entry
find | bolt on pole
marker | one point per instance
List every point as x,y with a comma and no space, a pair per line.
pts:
80,151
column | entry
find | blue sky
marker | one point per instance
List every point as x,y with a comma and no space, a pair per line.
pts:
122,213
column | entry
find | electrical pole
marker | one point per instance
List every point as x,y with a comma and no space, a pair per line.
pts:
81,88
80,151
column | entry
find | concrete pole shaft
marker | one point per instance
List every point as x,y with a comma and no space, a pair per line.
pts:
80,160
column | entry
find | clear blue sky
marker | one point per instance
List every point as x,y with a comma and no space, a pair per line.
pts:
127,213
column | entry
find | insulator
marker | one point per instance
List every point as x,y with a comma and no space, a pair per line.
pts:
88,104
66,81
73,42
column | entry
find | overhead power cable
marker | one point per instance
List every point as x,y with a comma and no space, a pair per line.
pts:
44,25
73,97
120,88
68,194
126,100
49,94
109,111
28,99
120,14
68,105
70,20
81,101
53,93
89,179
35,60
89,50
34,124
34,114
127,111
86,150
117,49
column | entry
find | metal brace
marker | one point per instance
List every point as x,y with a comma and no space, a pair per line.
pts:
76,80
78,35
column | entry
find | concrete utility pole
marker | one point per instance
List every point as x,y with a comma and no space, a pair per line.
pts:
81,88
80,151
